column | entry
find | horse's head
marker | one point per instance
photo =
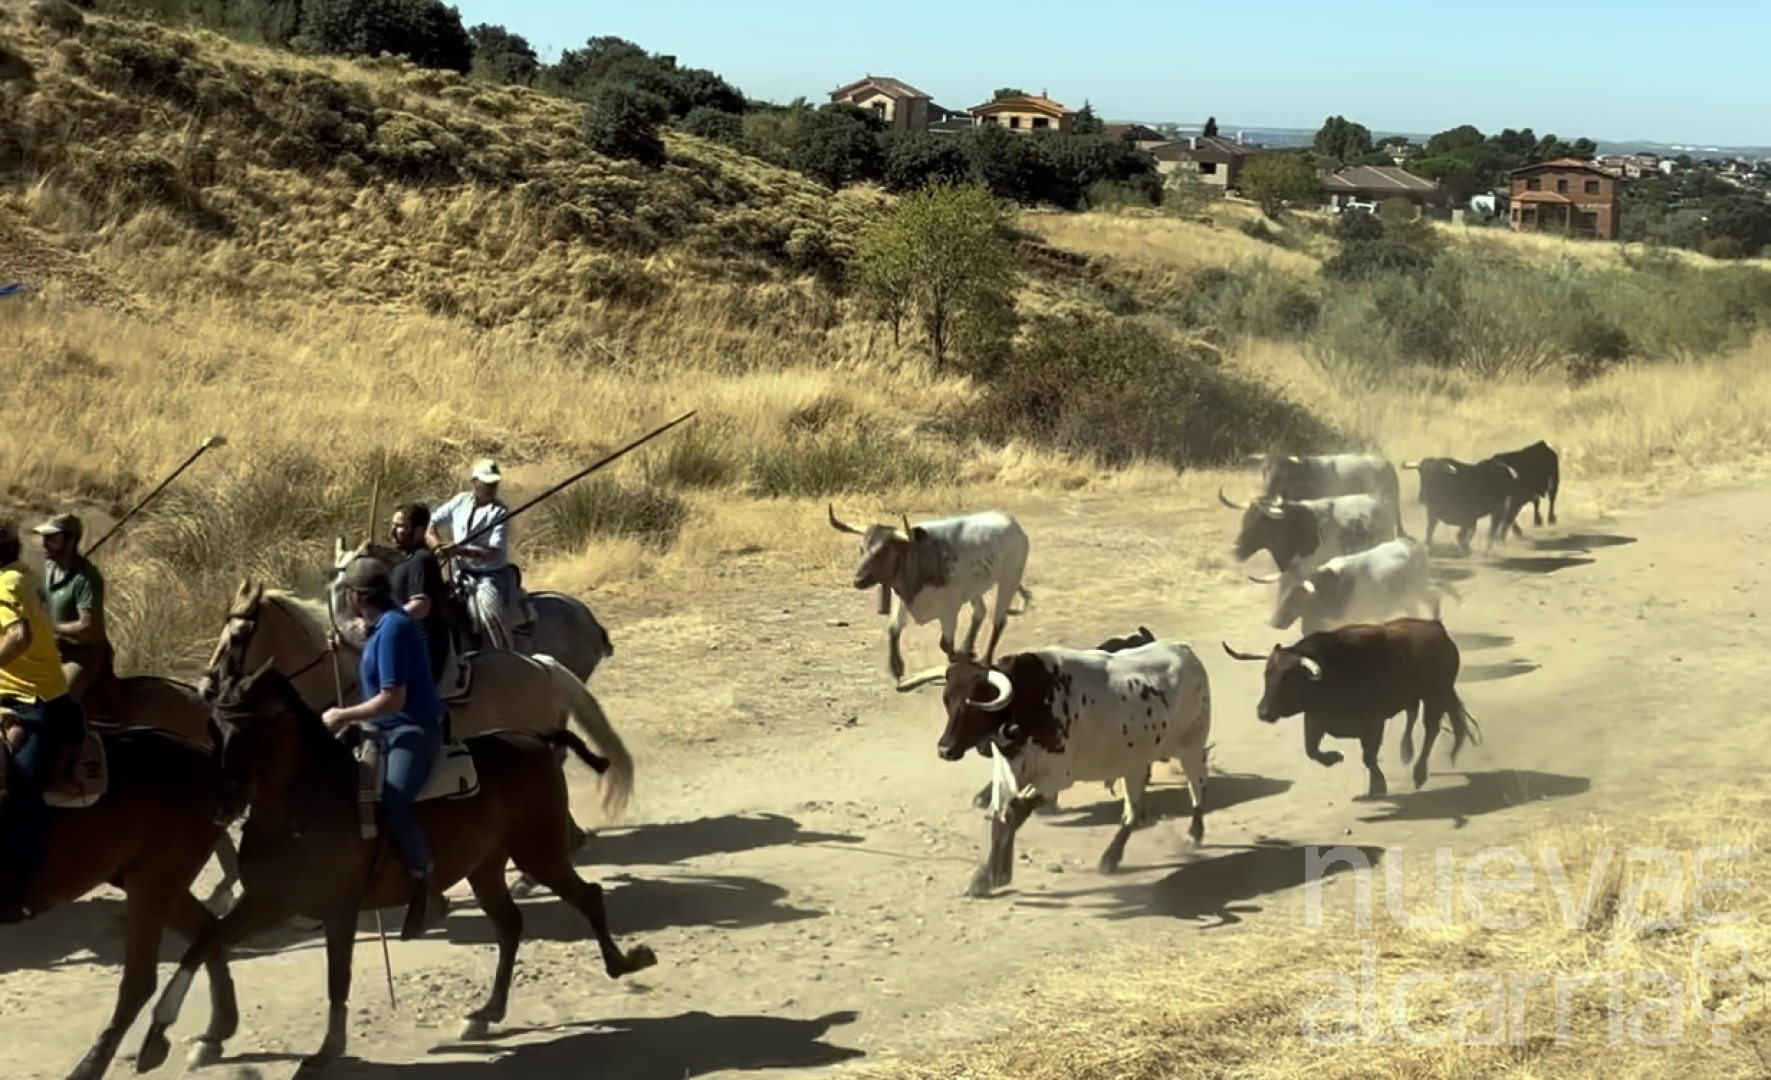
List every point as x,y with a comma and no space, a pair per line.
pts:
262,628
256,722
234,649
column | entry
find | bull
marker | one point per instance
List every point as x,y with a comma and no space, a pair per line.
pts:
1319,476
1349,681
1392,577
1301,534
1462,494
1537,474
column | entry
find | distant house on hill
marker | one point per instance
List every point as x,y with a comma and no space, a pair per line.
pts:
1137,134
1023,113
1366,185
1569,195
1213,159
901,106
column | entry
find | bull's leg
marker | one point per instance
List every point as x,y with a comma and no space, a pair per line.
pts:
1432,714
1131,818
949,631
977,624
894,639
1371,743
1313,734
1555,483
1432,523
999,862
1192,757
1412,714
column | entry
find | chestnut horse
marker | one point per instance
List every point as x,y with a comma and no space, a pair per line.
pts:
134,809
302,852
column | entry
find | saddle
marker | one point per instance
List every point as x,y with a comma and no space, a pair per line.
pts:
452,776
102,697
82,773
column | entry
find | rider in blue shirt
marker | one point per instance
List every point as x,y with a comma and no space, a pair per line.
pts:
402,710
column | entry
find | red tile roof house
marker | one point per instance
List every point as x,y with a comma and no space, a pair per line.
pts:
1374,184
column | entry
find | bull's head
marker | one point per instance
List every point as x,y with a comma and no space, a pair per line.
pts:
1271,523
1434,472
885,555
1288,681
1319,594
976,699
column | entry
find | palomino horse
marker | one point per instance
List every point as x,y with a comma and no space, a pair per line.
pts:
564,627
134,809
303,852
506,690
156,703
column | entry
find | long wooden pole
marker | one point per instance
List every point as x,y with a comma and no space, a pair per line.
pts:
210,443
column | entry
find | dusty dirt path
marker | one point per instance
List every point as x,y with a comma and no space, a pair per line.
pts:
799,851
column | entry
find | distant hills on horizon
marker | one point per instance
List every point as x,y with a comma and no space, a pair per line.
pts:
1281,136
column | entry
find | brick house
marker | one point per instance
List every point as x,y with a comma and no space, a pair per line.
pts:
1023,113
1215,160
903,107
1567,194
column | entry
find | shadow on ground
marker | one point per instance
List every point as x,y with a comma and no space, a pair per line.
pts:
639,905
1506,669
1171,800
1217,891
1481,793
687,1045
680,841
1580,542
1539,564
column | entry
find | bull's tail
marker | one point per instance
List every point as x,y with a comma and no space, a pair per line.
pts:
582,708
1463,726
1026,601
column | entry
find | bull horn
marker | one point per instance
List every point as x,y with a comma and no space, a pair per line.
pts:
922,679
1294,459
906,519
1411,464
1311,668
1234,655
1005,692
337,550
1309,587
1265,580
1256,459
1274,507
1225,499
841,526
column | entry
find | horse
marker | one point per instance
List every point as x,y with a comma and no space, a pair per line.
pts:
133,809
563,628
173,708
503,689
495,797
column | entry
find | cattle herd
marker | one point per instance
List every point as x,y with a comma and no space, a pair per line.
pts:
1372,643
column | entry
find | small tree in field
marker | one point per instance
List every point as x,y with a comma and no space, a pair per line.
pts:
940,257
1274,179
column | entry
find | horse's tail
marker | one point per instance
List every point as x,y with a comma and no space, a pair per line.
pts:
581,708
569,739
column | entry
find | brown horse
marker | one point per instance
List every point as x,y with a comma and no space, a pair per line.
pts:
303,852
134,810
157,703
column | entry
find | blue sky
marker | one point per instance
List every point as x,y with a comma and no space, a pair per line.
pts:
1686,71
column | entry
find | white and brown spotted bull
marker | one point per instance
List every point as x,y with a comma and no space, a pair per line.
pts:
1054,717
1348,682
937,567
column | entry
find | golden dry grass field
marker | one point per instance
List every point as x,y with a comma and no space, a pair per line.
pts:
365,276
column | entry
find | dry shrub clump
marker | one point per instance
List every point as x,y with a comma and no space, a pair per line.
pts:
1513,983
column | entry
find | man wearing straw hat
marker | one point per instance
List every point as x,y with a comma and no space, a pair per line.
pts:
76,592
485,580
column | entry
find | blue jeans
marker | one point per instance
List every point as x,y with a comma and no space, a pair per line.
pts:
50,727
410,752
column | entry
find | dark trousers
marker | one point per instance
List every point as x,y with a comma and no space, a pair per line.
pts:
411,753
50,727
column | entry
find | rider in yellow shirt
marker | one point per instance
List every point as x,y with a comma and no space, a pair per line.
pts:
35,691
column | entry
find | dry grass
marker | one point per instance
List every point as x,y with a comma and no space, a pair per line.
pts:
1241,1015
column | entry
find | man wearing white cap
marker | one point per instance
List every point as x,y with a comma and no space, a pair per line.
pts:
484,577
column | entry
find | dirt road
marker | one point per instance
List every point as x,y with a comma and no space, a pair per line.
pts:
800,852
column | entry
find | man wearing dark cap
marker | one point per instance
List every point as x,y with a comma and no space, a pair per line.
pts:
76,591
48,721
403,711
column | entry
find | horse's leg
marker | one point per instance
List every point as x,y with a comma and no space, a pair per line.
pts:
191,920
146,903
254,914
542,854
507,927
341,941
229,858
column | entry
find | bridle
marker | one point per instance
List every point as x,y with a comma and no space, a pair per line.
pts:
247,621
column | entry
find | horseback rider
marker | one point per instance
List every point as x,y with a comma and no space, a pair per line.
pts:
403,711
418,583
76,600
47,722
484,576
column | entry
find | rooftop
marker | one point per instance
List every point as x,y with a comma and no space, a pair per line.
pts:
1378,178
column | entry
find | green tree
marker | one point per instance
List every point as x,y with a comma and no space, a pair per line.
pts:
940,257
1342,139
1276,179
503,57
1211,127
424,31
714,125
1007,92
1086,122
838,144
622,122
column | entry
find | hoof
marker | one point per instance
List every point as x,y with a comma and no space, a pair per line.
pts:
473,1029
204,1053
155,1049
1108,866
1420,776
981,801
638,958
983,884
1332,758
1378,790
